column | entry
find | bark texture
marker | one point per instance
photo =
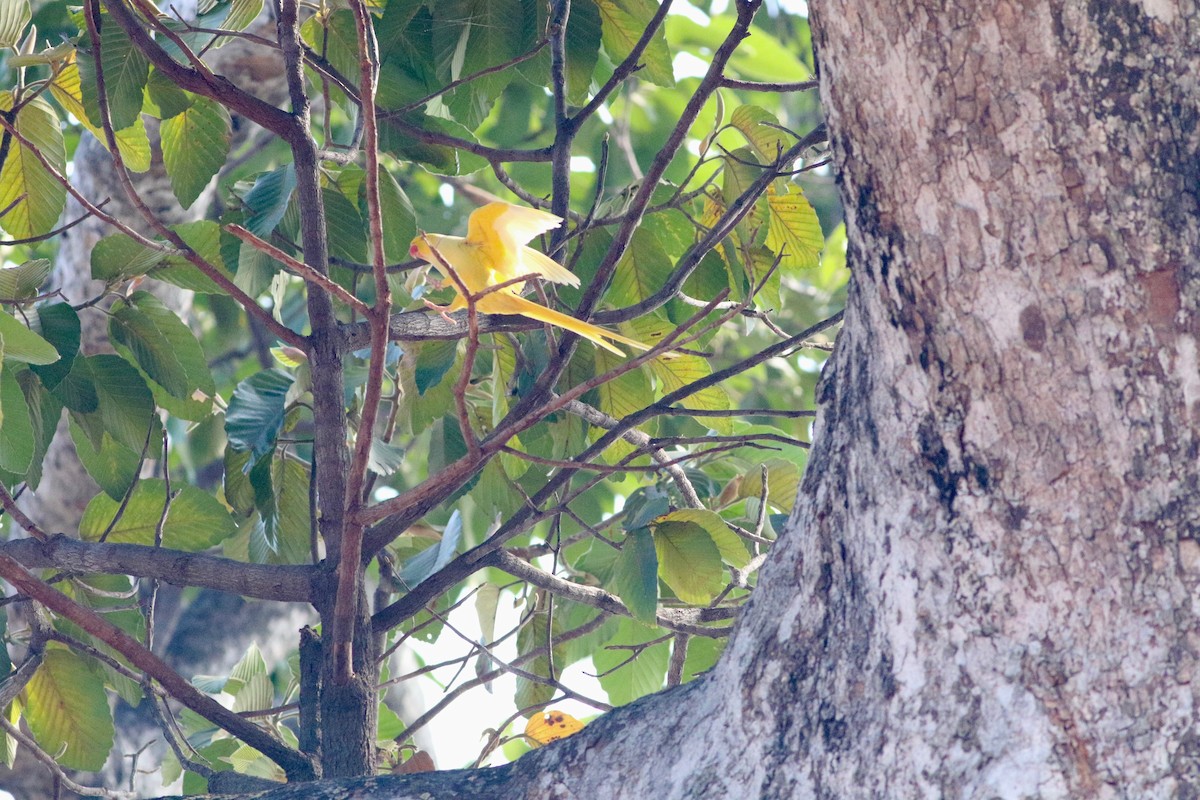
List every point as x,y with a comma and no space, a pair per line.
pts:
999,560
987,588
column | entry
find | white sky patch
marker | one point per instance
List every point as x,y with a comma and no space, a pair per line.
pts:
691,12
687,65
446,193
582,164
797,7
459,731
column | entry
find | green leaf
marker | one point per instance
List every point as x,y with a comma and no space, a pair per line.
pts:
126,69
38,196
109,595
112,465
255,270
21,283
16,427
125,405
688,562
196,520
195,143
167,96
44,413
644,506
620,397
600,561
347,228
255,414
286,524
67,711
469,36
625,394
733,549
132,142
434,359
678,371
400,221
760,57
14,16
762,131
6,664
388,724
398,136
702,655
635,575
241,14
738,173
336,40
534,634
8,745
642,271
204,237
761,262
430,560
794,231
161,344
385,458
487,601
117,256
22,344
583,49
406,71
783,482
628,674
624,23
268,199
249,682
59,325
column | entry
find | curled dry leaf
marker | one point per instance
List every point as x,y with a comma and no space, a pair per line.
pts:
420,761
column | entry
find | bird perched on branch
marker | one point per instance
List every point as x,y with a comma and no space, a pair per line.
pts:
489,261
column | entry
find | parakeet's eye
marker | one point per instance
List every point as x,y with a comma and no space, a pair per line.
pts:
414,251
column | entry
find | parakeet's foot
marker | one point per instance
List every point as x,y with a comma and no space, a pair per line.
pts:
443,311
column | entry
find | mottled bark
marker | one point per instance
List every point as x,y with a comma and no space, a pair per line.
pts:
987,586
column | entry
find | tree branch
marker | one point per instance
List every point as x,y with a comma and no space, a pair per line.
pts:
203,82
291,584
681,620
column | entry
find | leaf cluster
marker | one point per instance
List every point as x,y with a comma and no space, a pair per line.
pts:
623,505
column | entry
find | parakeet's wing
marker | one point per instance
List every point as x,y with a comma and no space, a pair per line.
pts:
501,231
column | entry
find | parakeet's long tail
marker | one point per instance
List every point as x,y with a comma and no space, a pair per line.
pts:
504,303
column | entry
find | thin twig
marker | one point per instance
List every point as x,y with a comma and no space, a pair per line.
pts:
304,271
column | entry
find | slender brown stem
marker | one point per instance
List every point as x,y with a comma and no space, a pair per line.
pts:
299,267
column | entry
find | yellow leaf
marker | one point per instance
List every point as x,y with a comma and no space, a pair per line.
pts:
32,193
132,142
793,231
551,725
783,481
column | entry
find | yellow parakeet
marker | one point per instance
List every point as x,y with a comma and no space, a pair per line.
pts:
495,251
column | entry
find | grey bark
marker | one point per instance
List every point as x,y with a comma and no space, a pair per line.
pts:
987,586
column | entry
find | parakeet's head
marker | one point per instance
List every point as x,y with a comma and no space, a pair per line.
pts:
419,248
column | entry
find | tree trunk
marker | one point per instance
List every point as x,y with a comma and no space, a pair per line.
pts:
986,587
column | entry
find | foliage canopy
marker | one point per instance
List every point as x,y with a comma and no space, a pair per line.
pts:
623,503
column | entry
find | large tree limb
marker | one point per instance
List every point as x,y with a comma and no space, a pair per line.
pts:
263,581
